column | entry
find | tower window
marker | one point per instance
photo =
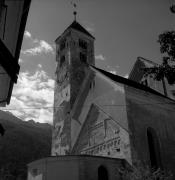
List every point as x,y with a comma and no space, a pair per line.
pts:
82,44
154,148
63,45
83,57
62,60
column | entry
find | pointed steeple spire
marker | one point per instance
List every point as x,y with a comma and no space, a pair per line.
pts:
75,25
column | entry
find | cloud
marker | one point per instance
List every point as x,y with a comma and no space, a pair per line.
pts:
100,57
126,76
90,29
39,66
20,60
113,72
112,69
27,34
40,46
32,97
89,26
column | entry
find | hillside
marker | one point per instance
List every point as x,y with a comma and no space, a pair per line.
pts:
22,143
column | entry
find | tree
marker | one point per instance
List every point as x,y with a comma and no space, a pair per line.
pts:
172,8
141,172
167,68
167,47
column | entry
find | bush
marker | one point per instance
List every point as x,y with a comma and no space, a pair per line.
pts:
145,173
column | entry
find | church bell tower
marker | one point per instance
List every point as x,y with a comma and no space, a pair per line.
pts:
74,51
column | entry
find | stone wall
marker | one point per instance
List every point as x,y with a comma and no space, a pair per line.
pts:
147,110
70,76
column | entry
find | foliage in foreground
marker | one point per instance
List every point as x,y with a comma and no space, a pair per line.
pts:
167,68
145,173
167,48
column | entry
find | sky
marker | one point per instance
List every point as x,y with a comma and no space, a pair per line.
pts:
123,30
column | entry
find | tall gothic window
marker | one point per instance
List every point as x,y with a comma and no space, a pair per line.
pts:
82,44
62,60
154,148
83,57
63,45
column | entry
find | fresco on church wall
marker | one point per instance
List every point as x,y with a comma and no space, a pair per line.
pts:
103,136
77,77
60,139
102,128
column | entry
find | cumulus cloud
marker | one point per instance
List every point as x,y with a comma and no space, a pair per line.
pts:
100,57
126,76
113,69
39,66
90,29
113,72
89,26
27,34
20,60
32,97
39,46
42,47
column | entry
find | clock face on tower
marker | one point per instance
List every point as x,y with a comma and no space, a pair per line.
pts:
62,74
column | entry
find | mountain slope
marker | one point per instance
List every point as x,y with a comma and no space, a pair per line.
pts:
22,143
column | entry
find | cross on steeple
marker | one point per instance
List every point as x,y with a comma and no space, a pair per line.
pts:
75,12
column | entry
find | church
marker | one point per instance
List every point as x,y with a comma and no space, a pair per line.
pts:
102,121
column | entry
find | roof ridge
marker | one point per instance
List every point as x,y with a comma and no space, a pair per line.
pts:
77,26
147,60
129,82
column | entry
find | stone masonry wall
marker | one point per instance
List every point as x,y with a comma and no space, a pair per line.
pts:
146,110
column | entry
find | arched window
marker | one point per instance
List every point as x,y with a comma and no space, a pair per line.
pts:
62,60
83,57
102,173
154,148
63,45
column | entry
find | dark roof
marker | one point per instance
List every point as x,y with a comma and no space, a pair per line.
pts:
147,60
79,157
129,82
7,60
26,7
137,71
75,25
